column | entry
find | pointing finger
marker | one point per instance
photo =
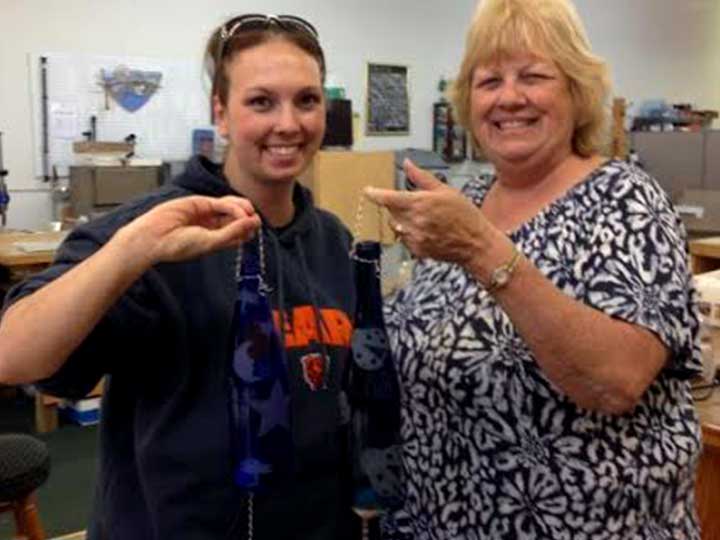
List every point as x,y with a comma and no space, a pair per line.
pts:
421,178
389,198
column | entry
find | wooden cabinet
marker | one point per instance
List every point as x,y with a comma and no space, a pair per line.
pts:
337,179
708,484
707,489
95,189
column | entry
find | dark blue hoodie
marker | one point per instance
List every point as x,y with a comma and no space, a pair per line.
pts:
165,464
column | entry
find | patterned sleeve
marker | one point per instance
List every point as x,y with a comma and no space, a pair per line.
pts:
635,267
396,526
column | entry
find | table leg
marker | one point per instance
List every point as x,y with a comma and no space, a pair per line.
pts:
46,414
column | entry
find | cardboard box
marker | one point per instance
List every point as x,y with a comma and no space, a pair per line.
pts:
700,212
708,288
337,180
85,412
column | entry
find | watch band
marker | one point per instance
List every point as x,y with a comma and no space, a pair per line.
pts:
501,276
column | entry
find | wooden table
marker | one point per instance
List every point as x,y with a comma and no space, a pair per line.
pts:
705,254
708,483
18,264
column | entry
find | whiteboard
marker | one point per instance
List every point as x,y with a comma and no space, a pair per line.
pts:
163,126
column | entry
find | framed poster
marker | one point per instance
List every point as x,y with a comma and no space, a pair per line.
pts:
388,102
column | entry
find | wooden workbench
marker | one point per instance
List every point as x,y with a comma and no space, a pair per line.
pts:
18,265
708,483
20,262
705,254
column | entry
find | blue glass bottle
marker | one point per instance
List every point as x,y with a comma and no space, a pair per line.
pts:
374,394
259,388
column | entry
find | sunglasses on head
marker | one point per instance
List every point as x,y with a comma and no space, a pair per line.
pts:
254,21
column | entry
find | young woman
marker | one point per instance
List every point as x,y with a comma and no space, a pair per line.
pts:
147,296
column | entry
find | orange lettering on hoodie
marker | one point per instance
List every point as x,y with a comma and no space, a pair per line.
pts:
301,327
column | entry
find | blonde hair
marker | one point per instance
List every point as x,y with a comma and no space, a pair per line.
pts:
550,29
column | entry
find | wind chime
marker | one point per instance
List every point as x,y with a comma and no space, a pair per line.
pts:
260,392
373,390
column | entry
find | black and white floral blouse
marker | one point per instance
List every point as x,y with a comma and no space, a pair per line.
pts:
491,448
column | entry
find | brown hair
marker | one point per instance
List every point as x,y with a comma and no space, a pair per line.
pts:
549,28
219,52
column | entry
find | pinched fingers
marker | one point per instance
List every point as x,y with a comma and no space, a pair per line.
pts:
236,222
237,206
235,232
192,226
213,213
220,212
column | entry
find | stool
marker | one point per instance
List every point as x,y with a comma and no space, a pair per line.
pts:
24,466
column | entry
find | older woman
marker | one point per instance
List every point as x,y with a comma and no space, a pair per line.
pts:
547,337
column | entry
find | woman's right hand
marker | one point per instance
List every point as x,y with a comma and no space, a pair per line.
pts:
188,227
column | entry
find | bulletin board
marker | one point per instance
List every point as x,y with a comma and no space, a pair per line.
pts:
74,93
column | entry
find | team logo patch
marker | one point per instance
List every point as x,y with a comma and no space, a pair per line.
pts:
314,367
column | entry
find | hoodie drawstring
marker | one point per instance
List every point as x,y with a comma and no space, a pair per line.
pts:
319,321
280,284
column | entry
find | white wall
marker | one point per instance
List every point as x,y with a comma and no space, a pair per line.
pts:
714,57
657,48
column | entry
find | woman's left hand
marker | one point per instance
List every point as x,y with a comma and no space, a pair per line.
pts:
434,221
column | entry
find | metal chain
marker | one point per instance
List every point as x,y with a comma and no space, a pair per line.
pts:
359,214
358,217
264,287
251,517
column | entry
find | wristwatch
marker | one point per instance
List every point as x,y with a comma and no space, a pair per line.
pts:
502,274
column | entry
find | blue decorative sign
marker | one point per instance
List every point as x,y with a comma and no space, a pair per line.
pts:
130,88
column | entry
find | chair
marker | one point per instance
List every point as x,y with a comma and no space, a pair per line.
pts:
24,466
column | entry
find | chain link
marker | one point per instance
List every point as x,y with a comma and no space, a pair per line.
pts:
359,216
359,212
251,517
264,287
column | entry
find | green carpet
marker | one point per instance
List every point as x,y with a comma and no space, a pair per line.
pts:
66,498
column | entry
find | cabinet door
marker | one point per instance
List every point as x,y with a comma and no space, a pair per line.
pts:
116,185
337,180
675,158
